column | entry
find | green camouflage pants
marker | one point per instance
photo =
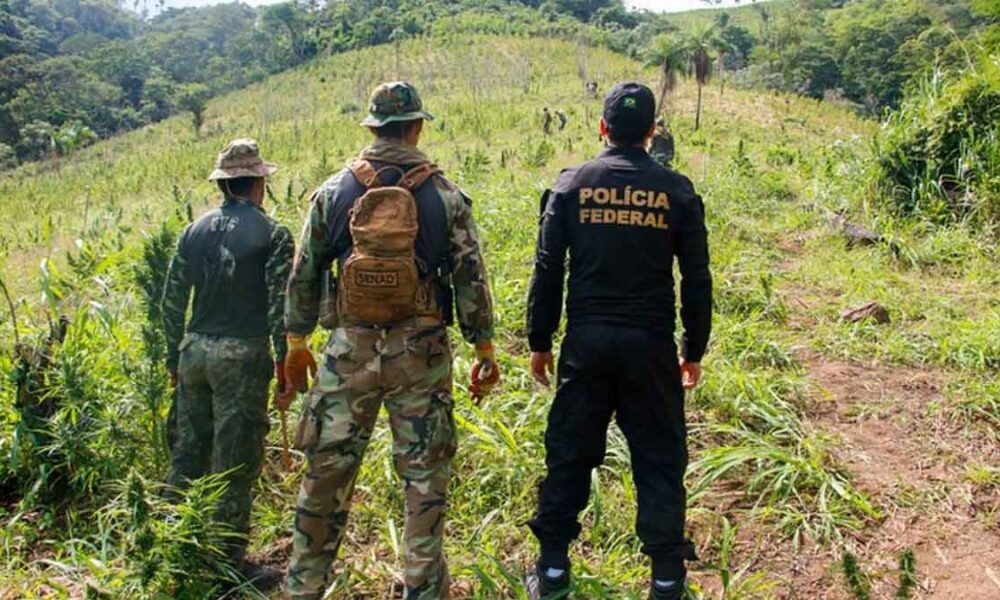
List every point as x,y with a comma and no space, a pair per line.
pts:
222,420
409,371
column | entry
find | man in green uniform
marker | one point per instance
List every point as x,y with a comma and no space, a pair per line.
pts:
546,120
237,260
403,365
661,146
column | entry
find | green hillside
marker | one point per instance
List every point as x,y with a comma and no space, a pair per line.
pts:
813,439
747,16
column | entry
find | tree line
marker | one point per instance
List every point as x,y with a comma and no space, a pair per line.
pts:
865,52
73,71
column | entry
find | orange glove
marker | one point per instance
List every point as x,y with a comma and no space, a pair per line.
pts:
542,365
299,362
485,371
283,394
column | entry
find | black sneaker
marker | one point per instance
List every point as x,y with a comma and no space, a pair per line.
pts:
674,592
542,587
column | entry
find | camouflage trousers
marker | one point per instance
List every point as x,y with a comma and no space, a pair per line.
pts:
662,157
221,420
408,371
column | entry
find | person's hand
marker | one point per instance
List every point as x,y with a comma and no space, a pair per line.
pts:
542,365
283,395
485,371
283,399
299,363
172,375
690,374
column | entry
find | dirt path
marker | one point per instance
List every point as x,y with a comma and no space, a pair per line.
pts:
913,462
888,433
892,432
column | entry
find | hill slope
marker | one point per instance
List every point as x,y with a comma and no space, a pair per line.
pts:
811,437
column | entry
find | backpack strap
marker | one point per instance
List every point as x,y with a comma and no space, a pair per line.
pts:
366,173
417,176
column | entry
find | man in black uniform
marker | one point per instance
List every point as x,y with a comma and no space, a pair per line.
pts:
623,218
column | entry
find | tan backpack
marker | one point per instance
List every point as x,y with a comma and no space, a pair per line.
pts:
380,284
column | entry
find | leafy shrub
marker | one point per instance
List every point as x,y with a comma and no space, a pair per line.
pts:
35,140
171,549
781,155
541,154
8,158
936,157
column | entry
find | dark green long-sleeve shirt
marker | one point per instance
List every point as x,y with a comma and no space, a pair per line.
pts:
237,260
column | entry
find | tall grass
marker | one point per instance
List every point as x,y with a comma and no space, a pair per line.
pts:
759,160
937,155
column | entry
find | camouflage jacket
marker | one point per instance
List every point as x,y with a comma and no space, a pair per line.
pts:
237,260
661,147
447,229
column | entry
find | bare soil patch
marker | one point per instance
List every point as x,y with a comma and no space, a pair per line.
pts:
902,451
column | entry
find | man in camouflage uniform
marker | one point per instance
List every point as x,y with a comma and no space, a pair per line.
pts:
546,120
406,367
237,260
661,147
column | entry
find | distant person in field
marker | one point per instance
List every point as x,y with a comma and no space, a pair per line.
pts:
237,261
562,119
622,218
407,256
546,121
661,147
590,89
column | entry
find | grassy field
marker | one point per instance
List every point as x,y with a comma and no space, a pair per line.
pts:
828,458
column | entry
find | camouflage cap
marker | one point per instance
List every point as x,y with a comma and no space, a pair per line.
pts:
241,158
395,101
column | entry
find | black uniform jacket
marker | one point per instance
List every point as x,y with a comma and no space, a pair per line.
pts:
623,218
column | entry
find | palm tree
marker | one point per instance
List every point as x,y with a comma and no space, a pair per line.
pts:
700,44
722,47
670,54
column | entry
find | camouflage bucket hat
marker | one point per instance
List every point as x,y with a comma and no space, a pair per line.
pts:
395,101
241,158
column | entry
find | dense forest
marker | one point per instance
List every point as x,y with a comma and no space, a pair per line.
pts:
73,71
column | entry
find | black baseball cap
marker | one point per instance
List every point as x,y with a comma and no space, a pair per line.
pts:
630,109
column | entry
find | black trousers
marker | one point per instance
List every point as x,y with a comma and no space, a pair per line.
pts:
633,374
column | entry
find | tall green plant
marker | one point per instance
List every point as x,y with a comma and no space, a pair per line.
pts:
937,156
170,549
150,275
